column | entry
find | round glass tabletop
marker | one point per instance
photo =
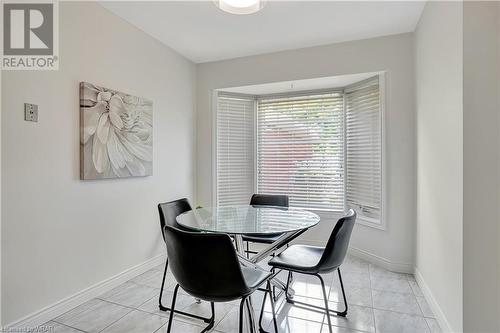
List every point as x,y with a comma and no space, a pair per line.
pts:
250,220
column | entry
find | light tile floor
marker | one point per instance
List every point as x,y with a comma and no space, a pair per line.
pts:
379,301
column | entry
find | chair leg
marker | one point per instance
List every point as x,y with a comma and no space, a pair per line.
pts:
288,282
274,287
275,323
172,307
251,315
248,250
261,329
163,308
325,309
212,319
325,296
171,317
242,306
273,270
343,313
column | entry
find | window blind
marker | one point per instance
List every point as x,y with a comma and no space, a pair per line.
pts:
363,149
235,149
300,149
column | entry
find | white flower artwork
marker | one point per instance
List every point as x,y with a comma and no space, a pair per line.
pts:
116,134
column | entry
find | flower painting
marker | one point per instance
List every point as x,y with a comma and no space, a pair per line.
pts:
116,134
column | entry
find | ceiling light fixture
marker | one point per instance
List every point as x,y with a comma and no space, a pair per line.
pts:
240,7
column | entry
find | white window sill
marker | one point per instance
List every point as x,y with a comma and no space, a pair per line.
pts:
369,222
336,214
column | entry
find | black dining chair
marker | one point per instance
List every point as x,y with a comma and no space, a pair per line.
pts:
265,200
314,260
206,266
168,212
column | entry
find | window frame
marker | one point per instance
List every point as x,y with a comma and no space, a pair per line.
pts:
326,214
215,95
367,221
292,95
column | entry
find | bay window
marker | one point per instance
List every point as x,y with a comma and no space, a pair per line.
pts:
321,148
300,149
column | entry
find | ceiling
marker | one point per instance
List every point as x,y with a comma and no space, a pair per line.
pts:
202,33
330,82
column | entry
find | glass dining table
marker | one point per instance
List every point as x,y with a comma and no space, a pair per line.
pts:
238,221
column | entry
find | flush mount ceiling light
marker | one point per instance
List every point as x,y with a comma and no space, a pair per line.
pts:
240,7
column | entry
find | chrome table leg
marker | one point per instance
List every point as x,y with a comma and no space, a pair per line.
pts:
261,255
252,328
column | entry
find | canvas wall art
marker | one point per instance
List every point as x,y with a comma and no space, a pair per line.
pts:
116,134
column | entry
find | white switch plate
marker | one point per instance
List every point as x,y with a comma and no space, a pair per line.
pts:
30,112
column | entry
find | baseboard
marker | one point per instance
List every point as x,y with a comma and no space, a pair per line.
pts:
433,304
370,257
50,312
382,262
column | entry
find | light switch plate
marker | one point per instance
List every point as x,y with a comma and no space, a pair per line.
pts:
30,112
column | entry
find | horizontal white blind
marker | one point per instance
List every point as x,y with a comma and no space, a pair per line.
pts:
363,149
300,149
235,150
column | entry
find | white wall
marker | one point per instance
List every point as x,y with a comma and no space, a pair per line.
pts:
481,217
0,202
393,54
438,55
498,101
61,235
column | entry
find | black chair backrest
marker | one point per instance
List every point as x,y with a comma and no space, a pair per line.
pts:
269,200
205,265
170,210
336,247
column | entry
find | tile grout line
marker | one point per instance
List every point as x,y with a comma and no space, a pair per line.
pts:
223,317
394,311
127,307
328,300
77,329
373,304
132,309
216,322
152,313
400,293
161,326
117,320
338,303
226,314
413,291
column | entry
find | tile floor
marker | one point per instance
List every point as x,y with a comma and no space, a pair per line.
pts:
379,301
